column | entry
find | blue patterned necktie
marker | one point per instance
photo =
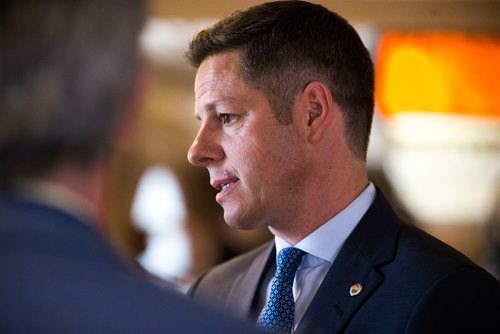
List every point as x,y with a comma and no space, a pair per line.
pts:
277,315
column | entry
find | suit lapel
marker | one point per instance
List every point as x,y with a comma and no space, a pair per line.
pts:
333,305
246,286
370,245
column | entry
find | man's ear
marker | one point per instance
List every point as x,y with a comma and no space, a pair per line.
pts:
318,102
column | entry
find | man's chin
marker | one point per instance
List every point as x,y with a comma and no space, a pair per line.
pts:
238,222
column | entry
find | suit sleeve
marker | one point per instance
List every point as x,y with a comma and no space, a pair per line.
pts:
465,301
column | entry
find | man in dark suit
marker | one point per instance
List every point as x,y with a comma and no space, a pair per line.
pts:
67,73
284,95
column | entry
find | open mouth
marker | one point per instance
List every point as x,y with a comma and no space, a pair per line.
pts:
224,184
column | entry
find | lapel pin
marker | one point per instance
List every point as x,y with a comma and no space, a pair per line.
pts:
355,289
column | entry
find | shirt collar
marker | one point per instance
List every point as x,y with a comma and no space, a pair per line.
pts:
56,196
325,242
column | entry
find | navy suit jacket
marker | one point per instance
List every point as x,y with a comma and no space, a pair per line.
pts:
57,275
412,283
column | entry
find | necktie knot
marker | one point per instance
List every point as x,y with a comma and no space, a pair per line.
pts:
278,314
288,261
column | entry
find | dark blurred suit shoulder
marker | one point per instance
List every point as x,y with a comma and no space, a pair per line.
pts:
58,275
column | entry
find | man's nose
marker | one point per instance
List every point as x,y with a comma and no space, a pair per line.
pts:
205,149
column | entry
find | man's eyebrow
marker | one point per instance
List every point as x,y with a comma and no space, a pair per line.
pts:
208,107
211,106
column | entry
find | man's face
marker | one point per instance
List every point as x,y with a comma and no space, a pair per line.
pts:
255,162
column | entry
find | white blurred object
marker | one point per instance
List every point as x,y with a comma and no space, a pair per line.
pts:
166,40
158,210
444,168
377,148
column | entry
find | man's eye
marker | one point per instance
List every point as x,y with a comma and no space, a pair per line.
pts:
227,118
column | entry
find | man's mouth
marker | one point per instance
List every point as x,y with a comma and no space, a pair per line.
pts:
224,184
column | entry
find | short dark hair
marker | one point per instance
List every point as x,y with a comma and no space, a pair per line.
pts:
284,45
66,69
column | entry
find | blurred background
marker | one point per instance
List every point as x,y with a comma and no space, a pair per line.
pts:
434,151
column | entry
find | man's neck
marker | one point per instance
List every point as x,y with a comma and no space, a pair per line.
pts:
74,188
329,199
